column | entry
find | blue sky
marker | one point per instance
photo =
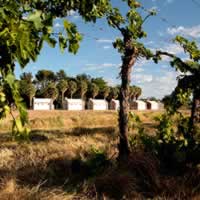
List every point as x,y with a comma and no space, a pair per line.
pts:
98,58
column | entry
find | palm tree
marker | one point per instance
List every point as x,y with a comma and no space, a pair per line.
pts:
62,88
50,92
114,92
27,90
83,86
105,91
72,87
94,90
138,92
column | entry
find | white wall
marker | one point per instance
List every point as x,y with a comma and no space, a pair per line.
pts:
42,104
141,105
97,104
74,104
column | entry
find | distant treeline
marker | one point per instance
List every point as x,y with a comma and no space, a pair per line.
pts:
47,84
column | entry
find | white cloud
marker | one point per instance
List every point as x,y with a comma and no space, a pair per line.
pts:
93,67
149,42
193,31
109,65
111,81
71,13
104,40
76,16
172,48
156,85
141,62
138,70
57,25
142,78
106,47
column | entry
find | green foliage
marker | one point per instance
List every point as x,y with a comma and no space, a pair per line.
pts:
44,77
82,87
24,27
176,146
61,75
129,46
97,161
105,92
27,91
20,128
177,142
50,91
72,87
172,143
93,90
134,92
100,82
141,140
134,121
26,77
114,92
62,86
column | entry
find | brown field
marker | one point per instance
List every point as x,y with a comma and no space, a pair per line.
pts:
42,169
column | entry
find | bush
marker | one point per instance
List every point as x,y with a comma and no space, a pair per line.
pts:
173,145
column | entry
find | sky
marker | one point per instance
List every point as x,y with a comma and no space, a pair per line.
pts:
97,57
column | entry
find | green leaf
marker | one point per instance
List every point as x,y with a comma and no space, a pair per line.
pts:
35,17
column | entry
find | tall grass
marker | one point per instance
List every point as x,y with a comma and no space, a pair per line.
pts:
72,155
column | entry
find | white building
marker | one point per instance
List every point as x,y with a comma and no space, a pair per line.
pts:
138,105
74,104
114,104
43,104
152,105
97,104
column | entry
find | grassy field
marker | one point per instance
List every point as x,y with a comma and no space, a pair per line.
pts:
55,164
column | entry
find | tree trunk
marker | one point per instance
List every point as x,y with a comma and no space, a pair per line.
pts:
195,112
62,101
128,61
30,102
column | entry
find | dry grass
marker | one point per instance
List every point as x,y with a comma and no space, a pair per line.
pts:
46,167
57,139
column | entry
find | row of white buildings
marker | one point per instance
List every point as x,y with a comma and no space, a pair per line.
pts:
93,104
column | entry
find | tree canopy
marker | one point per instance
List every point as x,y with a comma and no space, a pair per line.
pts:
24,27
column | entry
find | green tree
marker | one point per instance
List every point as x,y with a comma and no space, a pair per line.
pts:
82,87
62,88
114,92
25,26
27,77
72,88
50,91
138,92
61,75
100,82
130,28
44,77
27,91
84,77
105,92
188,82
132,92
93,90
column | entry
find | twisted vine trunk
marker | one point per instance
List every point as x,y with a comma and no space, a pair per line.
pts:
62,96
30,102
128,60
195,112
